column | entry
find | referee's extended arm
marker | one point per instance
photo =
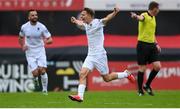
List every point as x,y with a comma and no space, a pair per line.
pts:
138,17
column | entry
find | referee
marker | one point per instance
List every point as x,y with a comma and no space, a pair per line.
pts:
147,47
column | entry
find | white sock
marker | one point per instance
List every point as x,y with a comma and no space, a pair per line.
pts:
81,89
122,75
44,81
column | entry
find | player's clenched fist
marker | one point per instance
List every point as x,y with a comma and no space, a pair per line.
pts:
73,19
116,9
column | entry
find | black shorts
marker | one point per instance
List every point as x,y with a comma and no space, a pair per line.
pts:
146,53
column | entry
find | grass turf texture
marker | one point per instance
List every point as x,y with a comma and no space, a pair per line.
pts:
110,99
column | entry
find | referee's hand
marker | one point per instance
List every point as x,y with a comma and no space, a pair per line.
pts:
133,15
158,48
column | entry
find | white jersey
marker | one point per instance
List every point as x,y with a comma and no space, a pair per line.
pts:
34,34
95,36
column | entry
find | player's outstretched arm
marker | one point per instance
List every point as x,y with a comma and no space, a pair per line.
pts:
79,23
110,16
138,17
76,21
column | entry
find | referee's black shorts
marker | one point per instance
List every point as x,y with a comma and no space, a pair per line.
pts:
146,53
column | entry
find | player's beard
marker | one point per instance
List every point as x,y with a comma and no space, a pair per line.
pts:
34,21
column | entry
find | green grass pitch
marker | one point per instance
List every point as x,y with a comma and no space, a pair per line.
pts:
97,99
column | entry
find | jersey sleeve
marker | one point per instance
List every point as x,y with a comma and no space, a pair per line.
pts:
21,33
83,27
45,32
101,24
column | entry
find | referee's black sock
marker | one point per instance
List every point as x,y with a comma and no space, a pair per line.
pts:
140,78
152,75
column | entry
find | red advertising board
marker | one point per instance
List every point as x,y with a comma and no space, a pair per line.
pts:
48,5
168,78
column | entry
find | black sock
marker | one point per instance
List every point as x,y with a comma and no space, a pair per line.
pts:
152,75
140,78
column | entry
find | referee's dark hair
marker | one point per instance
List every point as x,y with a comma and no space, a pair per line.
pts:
153,5
89,11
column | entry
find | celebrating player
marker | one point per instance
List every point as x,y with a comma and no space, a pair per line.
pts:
35,34
96,57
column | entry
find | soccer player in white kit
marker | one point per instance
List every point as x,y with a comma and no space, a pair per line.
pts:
32,37
96,57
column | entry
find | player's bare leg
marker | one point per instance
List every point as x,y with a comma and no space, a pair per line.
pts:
36,81
82,85
44,80
119,75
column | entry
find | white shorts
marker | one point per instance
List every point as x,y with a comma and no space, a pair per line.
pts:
97,61
36,57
